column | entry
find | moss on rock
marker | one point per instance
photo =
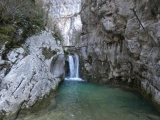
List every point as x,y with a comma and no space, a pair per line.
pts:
48,52
44,103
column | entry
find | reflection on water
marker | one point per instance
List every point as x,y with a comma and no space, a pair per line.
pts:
77,100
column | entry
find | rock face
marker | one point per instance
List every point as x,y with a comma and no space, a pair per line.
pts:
120,43
62,16
35,70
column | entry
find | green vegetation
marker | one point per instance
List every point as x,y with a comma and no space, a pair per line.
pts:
4,38
45,103
30,25
57,37
7,30
6,34
48,52
19,19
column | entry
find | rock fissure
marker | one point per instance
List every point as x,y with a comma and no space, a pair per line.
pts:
17,87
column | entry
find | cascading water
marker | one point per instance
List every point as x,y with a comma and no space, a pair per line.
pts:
76,65
71,66
73,61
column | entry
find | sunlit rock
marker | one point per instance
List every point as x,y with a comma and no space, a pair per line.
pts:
33,74
63,17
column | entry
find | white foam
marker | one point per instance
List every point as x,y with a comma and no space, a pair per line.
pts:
74,79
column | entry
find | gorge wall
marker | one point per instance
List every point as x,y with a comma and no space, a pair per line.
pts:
120,44
63,17
118,41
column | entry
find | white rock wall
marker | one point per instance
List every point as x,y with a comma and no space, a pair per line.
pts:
33,73
63,17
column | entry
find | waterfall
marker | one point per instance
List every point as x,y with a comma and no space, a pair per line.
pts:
71,66
73,61
76,65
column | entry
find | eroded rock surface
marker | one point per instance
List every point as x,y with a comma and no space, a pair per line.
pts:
120,43
33,73
63,17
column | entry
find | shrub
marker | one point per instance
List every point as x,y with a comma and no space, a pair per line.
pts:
20,14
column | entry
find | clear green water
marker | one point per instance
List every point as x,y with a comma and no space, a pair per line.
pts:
77,100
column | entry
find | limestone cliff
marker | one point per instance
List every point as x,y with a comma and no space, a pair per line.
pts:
120,43
31,59
30,73
62,16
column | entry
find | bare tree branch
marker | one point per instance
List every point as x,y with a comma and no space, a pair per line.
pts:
137,18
